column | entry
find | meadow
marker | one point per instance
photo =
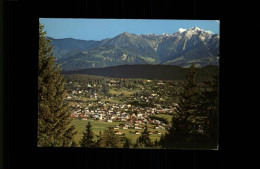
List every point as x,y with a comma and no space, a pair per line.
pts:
98,125
166,116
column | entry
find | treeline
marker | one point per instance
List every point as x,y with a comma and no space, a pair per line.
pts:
159,72
82,77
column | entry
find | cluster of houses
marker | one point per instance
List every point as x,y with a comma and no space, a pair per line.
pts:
93,91
134,117
136,132
138,125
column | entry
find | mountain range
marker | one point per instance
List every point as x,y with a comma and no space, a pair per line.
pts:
186,46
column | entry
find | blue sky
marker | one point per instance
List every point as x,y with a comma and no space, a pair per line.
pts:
98,29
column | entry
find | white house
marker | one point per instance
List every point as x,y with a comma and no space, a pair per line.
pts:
100,116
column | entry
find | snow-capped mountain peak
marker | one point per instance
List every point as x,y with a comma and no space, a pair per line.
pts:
194,31
196,28
209,32
166,34
182,30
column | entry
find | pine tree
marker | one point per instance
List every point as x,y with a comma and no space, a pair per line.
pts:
53,117
212,128
110,139
156,144
88,136
180,133
99,142
144,140
127,143
74,144
208,111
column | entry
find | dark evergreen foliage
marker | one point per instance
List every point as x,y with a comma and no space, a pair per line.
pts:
180,133
208,111
195,126
110,139
74,144
88,136
159,72
144,140
53,117
99,142
127,143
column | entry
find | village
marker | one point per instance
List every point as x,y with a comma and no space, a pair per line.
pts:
134,106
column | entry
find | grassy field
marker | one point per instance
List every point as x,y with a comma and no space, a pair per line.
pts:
125,92
133,137
87,99
96,126
101,126
166,116
111,100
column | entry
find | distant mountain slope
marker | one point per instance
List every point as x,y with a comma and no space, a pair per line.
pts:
159,72
181,48
70,46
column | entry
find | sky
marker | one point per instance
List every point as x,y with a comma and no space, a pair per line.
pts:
99,29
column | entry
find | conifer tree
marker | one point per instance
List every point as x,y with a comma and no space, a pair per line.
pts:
127,143
110,139
53,117
99,142
212,127
156,144
180,133
74,144
144,140
88,136
208,111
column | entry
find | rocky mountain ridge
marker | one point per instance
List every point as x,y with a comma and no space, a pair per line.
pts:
186,46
